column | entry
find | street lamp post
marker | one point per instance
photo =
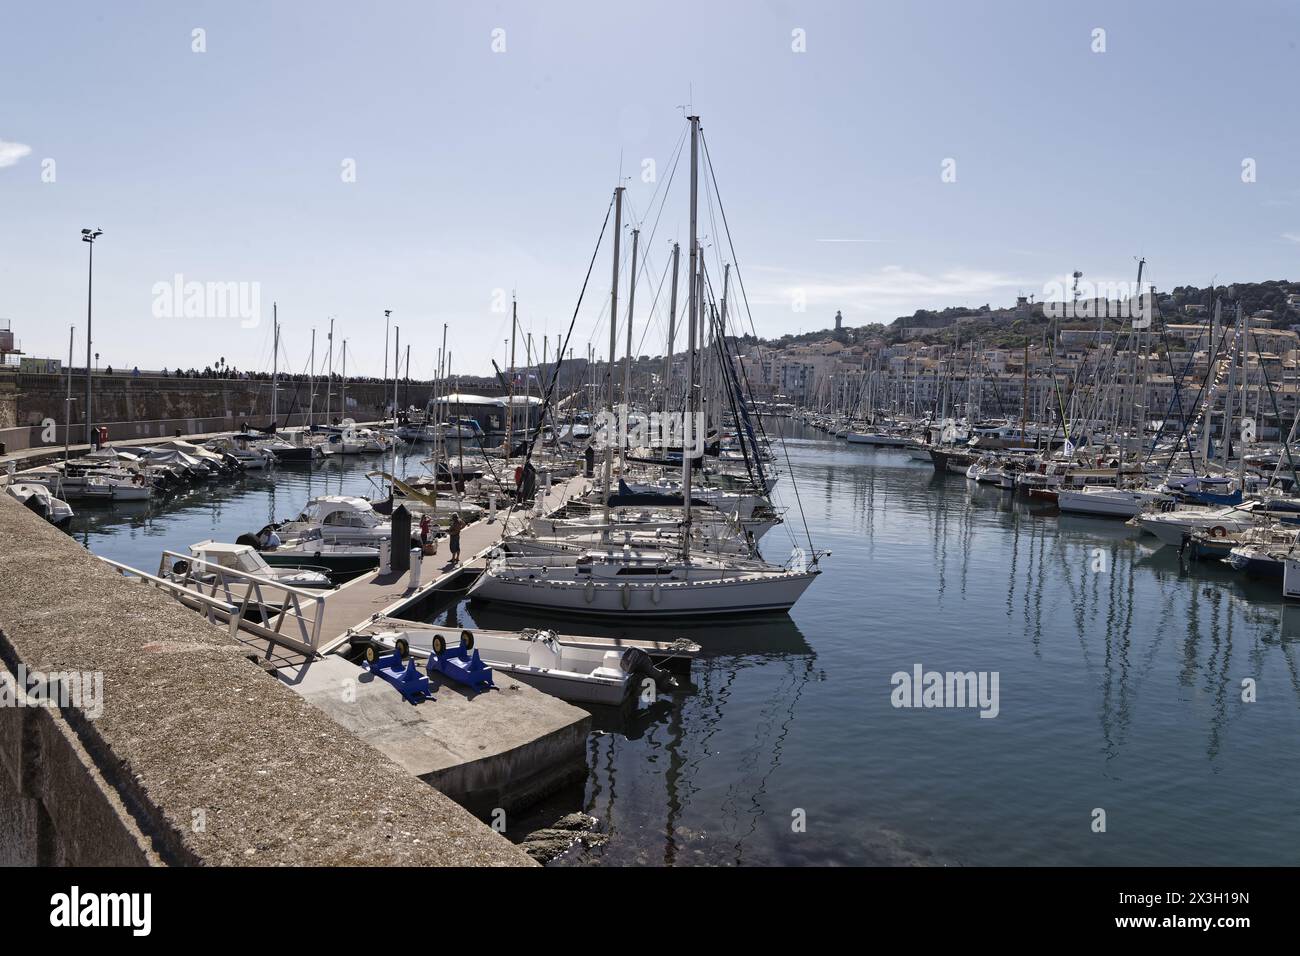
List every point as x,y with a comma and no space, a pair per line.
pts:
89,236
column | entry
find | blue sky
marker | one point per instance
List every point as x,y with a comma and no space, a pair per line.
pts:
479,171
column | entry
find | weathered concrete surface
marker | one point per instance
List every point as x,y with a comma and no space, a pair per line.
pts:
504,748
190,731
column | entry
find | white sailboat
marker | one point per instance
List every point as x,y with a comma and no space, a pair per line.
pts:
650,583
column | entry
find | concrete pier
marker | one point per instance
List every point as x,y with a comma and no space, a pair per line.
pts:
198,756
503,748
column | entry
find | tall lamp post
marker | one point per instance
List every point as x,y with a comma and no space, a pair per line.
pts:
89,235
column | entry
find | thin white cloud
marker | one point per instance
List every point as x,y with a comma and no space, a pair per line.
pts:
888,291
10,153
1291,236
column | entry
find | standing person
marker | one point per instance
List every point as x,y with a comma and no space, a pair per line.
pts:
425,525
453,531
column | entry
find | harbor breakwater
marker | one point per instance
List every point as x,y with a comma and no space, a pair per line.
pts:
32,406
189,753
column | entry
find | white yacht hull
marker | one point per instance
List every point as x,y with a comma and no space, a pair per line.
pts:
1170,528
1111,503
738,595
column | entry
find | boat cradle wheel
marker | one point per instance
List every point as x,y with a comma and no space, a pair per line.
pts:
467,640
403,647
372,654
1218,531
439,644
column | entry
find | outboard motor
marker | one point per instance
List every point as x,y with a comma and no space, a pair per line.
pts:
636,661
32,503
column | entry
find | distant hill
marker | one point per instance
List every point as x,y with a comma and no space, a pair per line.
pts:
1013,327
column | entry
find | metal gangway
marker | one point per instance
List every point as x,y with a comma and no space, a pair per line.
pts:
277,612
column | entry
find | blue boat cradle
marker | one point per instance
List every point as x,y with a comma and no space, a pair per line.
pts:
461,664
410,683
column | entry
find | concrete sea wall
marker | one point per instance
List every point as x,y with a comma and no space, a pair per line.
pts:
192,754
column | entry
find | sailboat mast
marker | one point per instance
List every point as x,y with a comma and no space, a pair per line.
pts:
1024,397
397,375
67,402
275,363
387,313
1244,318
510,382
672,331
311,382
329,374
693,313
528,389
1229,393
613,346
627,360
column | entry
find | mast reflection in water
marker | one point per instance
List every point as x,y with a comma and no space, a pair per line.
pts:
1121,689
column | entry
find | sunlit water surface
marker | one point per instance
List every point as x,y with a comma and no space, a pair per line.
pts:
1119,690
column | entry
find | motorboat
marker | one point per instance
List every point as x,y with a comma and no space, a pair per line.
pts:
247,561
1111,502
339,519
36,497
1171,526
251,455
342,562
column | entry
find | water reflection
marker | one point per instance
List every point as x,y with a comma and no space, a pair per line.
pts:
1121,673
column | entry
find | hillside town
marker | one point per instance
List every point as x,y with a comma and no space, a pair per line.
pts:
1011,361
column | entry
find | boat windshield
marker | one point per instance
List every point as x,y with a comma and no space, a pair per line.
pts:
352,519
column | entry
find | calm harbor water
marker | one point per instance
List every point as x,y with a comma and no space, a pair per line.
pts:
1119,689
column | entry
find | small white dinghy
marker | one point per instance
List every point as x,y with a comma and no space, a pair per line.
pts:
541,659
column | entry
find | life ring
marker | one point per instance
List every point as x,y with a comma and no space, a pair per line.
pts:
1218,531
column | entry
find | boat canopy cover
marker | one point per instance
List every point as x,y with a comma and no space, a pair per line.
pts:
627,498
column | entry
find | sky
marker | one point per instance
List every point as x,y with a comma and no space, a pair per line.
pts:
432,159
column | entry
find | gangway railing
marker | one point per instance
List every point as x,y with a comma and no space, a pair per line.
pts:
278,612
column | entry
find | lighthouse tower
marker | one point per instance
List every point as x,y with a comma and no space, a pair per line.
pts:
839,321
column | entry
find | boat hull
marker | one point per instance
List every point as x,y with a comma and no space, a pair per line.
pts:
339,567
772,594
